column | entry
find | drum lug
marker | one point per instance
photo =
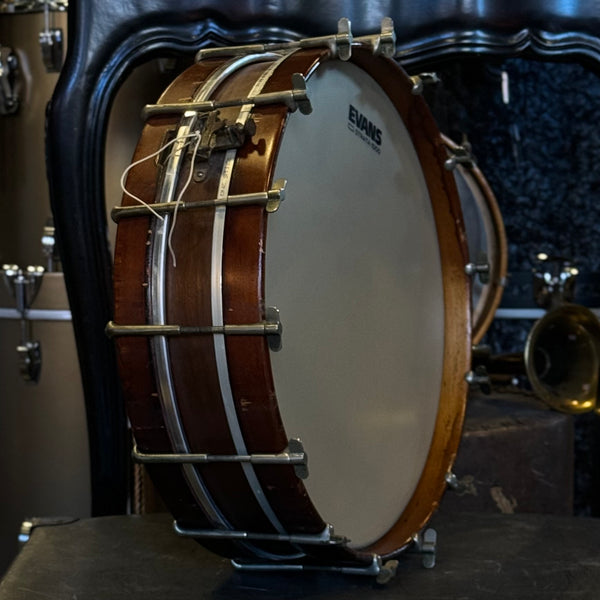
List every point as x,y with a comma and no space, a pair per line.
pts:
24,288
426,545
383,43
9,69
462,155
482,269
420,81
341,44
479,377
456,485
296,447
274,340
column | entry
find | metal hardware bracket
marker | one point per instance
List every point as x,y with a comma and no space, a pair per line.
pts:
420,81
479,377
554,279
24,287
462,155
220,135
31,6
36,314
294,455
271,328
456,485
383,572
30,524
270,199
51,44
49,248
481,268
296,98
325,538
9,88
426,545
383,43
339,45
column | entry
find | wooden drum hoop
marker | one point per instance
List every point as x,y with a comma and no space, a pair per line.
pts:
482,199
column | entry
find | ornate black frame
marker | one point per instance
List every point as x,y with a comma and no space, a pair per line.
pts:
109,38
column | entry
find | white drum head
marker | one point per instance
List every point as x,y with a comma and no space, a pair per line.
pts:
353,264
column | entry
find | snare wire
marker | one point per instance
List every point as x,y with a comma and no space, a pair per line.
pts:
197,136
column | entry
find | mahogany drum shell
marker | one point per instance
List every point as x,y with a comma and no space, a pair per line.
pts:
192,359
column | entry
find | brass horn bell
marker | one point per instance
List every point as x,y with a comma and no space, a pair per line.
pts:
562,351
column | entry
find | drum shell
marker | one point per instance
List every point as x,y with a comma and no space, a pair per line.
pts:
132,269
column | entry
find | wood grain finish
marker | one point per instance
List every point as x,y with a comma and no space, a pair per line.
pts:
131,281
498,258
457,334
188,296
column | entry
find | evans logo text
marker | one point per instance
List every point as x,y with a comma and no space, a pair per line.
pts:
364,129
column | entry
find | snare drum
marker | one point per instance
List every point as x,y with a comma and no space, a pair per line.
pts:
486,240
364,261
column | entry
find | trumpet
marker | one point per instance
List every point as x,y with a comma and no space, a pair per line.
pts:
561,357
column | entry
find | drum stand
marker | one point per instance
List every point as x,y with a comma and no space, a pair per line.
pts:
424,544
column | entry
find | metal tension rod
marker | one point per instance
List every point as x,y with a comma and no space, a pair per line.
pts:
296,98
270,199
263,328
325,538
294,455
283,458
383,572
339,44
